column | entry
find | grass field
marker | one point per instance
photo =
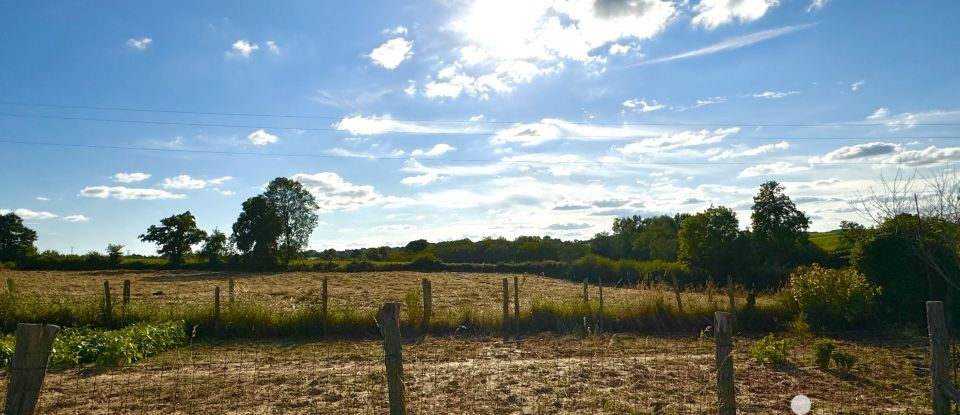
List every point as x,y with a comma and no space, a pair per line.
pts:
828,241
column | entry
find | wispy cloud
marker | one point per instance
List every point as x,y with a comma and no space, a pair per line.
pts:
729,44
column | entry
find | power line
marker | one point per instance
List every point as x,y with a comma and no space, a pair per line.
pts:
340,117
449,160
449,133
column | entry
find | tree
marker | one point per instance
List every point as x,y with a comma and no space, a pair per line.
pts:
215,247
16,240
115,254
175,236
657,239
296,209
711,241
418,245
256,231
779,229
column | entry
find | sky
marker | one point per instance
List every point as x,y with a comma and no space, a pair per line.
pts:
448,119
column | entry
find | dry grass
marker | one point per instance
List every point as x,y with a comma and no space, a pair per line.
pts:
543,374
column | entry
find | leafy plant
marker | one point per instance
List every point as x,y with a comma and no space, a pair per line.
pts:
832,298
770,350
6,351
77,346
822,350
844,361
411,302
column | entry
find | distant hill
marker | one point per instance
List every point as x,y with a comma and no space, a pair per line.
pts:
828,241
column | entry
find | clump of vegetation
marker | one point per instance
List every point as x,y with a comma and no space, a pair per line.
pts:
831,298
413,307
822,351
844,361
770,350
6,350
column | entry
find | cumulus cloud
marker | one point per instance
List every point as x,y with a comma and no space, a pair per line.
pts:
186,182
860,151
642,105
672,141
907,120
713,13
420,180
927,156
76,218
28,214
333,193
127,193
130,177
399,30
140,44
755,151
392,53
262,137
437,150
774,94
242,48
879,114
777,168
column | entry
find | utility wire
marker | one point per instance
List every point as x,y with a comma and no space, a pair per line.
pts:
340,117
574,136
449,160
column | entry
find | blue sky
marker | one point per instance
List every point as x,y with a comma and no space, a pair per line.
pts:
449,119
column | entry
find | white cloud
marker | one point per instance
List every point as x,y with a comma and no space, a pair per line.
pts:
778,168
411,88
643,105
184,181
28,214
927,156
856,85
549,129
130,177
374,125
422,179
393,228
729,44
127,193
399,30
710,101
392,53
333,193
242,48
671,141
618,49
755,151
262,138
76,218
273,47
816,5
43,198
910,119
139,44
226,192
713,13
774,94
860,151
437,150
476,118
880,113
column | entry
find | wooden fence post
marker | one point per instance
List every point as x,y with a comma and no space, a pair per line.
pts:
107,306
323,306
29,365
231,290
216,304
939,357
676,291
733,304
599,318
389,321
10,285
586,295
126,292
516,305
723,336
427,306
506,309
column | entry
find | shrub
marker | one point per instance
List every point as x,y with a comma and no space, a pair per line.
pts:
362,265
831,298
411,302
770,350
822,350
77,346
426,262
844,361
6,351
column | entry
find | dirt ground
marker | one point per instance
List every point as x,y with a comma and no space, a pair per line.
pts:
556,375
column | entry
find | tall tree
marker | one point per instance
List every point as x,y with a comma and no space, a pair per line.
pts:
296,209
779,228
16,240
256,231
175,236
711,241
115,254
215,247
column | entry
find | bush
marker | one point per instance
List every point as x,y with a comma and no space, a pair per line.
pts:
770,350
362,265
115,347
844,361
426,262
6,351
831,298
822,350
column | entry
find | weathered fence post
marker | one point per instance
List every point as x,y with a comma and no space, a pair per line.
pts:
107,306
723,336
506,309
586,295
126,292
939,357
231,290
389,321
28,367
599,318
323,306
733,303
427,306
10,285
216,304
676,292
516,305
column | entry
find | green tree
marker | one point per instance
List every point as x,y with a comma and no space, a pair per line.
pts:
115,254
711,241
215,247
16,240
296,209
779,229
175,236
256,232
657,239
418,245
